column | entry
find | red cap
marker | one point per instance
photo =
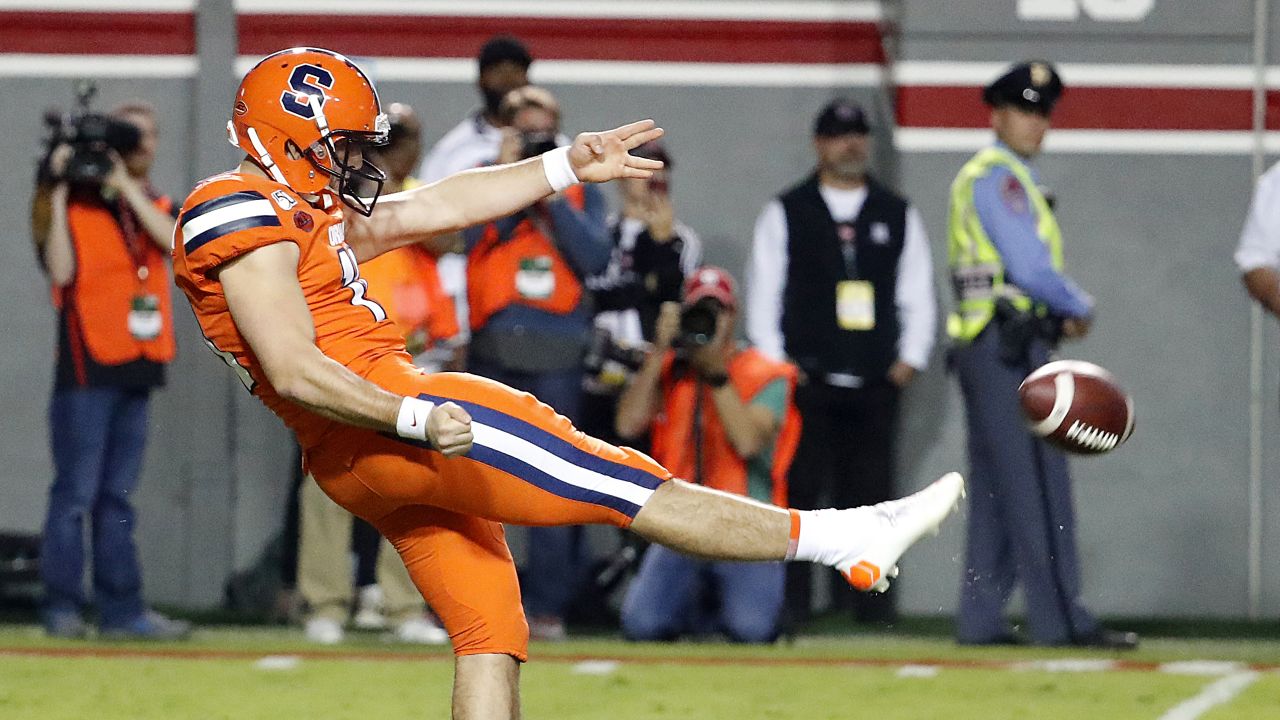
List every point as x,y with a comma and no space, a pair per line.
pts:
710,281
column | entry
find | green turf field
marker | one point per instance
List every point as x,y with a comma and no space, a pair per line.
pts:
221,674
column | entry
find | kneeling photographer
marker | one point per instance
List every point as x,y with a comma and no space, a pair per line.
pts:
721,416
103,236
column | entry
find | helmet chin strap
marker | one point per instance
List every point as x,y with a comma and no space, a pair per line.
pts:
264,157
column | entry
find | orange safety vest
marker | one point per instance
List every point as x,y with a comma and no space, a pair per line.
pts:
107,280
722,468
406,282
525,269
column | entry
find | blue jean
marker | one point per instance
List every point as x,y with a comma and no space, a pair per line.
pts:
661,599
556,565
98,436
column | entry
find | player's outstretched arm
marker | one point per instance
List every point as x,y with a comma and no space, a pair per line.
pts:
271,313
477,196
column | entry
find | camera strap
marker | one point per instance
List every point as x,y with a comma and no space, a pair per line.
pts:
697,432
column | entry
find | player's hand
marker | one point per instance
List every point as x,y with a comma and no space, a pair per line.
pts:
449,429
604,156
667,326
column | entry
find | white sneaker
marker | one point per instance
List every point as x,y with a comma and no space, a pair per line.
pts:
903,522
421,631
368,615
324,631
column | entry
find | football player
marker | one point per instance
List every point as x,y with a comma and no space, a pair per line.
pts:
268,256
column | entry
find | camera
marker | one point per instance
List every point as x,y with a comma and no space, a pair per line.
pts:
603,348
91,136
533,144
698,323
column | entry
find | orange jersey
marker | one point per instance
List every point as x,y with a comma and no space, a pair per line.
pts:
231,214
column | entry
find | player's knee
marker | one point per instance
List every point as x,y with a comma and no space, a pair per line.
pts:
506,635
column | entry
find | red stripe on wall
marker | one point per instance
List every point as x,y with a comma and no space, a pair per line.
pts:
675,40
97,33
1097,108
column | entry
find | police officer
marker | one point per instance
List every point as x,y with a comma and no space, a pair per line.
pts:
1013,303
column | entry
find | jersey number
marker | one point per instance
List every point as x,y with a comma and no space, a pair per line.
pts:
359,288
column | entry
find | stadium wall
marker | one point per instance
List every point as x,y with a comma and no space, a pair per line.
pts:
1152,165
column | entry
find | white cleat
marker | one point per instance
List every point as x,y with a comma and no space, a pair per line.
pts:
324,631
903,522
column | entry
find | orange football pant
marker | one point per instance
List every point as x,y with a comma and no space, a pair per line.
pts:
527,466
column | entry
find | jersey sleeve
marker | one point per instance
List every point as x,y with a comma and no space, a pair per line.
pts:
216,227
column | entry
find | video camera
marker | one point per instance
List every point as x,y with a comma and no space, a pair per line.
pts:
91,136
534,144
698,323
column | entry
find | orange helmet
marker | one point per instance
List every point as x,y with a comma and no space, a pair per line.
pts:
293,105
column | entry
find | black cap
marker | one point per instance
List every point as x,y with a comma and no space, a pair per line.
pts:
841,117
1033,85
504,48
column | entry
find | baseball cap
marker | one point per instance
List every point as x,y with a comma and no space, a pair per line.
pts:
504,48
1032,85
841,116
710,281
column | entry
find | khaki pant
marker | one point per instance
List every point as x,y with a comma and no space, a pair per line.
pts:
324,567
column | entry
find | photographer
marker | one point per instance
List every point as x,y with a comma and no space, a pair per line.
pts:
103,235
530,321
721,416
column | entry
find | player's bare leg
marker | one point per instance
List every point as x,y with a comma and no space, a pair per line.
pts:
486,687
863,544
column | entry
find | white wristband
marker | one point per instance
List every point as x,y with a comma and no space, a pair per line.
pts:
559,171
412,421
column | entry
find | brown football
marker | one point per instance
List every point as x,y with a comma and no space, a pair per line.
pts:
1077,406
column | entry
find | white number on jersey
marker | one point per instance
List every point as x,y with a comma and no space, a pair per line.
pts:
358,287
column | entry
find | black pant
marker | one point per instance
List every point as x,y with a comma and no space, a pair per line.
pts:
845,459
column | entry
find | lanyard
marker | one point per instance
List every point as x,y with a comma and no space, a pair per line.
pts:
847,234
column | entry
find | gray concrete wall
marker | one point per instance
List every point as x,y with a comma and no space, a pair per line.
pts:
1162,519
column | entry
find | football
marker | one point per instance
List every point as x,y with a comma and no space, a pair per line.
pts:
1077,406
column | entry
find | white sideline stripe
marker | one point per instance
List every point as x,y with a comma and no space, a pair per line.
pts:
1202,667
100,5
917,671
98,66
1106,142
278,662
598,668
1218,692
224,215
978,74
1065,665
796,10
555,466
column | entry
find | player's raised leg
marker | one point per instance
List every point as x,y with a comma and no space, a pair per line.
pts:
863,543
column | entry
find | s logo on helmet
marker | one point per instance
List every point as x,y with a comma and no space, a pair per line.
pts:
305,80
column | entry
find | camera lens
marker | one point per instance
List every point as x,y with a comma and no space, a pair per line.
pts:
697,325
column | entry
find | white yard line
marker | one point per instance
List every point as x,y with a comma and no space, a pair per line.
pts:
1218,692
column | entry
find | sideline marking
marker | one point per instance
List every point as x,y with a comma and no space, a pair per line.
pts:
1218,692
443,655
